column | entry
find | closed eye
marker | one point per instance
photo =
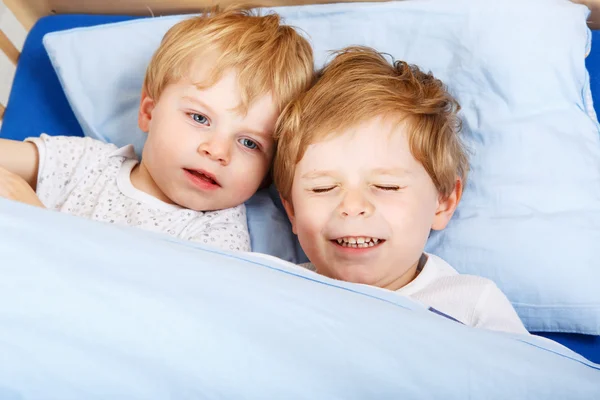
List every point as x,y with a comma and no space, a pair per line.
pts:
200,119
323,190
388,188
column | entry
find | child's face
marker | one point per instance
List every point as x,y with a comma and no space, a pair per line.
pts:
363,207
200,152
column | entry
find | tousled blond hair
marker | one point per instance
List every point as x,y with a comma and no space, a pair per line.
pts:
359,84
268,57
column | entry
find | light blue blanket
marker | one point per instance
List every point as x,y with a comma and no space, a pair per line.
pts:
89,310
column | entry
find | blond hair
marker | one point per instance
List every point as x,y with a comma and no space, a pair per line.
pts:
360,84
267,56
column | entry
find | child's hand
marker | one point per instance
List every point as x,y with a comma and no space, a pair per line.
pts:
13,187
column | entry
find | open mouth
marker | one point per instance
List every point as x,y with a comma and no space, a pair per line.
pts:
203,176
358,242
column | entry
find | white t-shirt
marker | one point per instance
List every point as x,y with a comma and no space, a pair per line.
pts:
90,178
470,299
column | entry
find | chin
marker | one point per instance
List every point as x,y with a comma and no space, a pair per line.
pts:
191,202
200,207
356,274
190,205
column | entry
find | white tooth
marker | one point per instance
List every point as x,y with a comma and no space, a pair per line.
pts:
375,241
340,241
360,240
352,240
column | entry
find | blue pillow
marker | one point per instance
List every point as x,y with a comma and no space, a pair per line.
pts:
530,215
157,318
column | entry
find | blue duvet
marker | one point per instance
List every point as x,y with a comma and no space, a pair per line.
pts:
89,310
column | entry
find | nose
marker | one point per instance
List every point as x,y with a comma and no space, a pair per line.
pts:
217,149
355,204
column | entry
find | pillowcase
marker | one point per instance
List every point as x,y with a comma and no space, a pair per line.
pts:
530,215
159,318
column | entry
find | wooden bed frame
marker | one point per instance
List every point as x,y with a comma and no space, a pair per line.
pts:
28,12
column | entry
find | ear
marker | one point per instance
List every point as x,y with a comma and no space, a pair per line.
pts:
145,112
289,209
446,207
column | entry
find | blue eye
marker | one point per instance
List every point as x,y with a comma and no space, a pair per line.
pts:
199,118
248,143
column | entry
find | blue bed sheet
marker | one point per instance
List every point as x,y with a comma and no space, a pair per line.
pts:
37,104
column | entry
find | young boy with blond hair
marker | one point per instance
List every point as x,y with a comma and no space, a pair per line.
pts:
211,96
368,162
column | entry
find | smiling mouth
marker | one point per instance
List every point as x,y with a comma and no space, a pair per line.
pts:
358,242
203,176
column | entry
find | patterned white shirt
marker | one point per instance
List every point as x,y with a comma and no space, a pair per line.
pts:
90,178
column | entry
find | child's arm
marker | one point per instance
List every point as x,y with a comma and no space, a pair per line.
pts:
20,158
13,187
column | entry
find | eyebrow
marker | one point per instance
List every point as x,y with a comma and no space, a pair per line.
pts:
199,102
379,171
265,135
391,171
318,174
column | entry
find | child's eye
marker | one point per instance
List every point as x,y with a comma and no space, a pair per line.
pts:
199,118
323,190
251,144
388,188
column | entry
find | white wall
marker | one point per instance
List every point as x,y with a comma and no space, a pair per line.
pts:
16,33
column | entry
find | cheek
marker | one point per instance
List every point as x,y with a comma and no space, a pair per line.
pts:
249,172
309,226
172,142
413,215
311,217
163,153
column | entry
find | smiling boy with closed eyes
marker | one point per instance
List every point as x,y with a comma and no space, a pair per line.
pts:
369,161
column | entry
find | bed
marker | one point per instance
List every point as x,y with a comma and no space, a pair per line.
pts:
38,103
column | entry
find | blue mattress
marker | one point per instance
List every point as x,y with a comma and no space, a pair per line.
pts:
37,104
